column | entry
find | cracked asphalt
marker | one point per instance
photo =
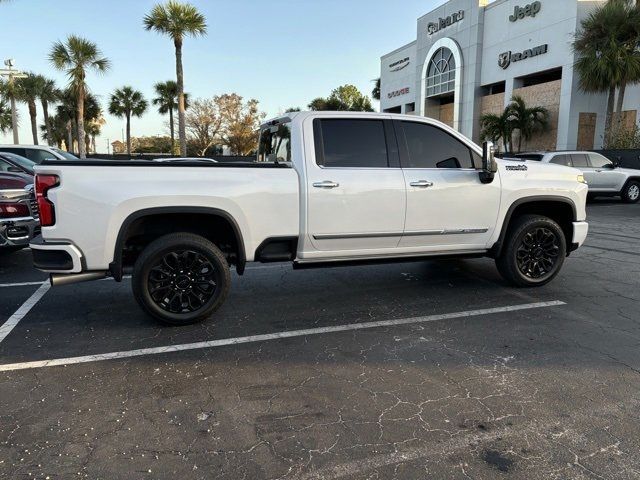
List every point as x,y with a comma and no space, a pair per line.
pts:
549,393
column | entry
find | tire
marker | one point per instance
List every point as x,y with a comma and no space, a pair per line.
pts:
631,192
534,251
180,279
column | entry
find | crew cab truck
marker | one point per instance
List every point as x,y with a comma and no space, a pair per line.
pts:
326,189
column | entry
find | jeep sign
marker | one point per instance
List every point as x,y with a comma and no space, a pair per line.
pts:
530,10
507,58
442,23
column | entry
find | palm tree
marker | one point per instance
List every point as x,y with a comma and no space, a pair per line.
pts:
5,117
126,102
498,127
177,20
76,57
27,89
48,93
607,53
375,93
167,102
527,120
66,111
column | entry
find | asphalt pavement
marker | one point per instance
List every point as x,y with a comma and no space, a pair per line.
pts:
435,369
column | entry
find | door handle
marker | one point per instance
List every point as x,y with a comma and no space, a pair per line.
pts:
422,184
326,184
599,171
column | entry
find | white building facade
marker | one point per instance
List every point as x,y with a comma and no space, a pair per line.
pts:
471,58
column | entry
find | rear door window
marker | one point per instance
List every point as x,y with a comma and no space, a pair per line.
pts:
562,160
351,143
580,160
431,147
39,156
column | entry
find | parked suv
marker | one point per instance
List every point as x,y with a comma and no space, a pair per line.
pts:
38,153
603,176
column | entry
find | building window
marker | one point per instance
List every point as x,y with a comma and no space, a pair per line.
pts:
441,74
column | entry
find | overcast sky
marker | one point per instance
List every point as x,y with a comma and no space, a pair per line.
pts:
281,52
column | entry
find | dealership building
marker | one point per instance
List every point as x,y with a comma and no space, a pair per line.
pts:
471,57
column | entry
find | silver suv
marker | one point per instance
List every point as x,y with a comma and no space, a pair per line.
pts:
604,177
38,153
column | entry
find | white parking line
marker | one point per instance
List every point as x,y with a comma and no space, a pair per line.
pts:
14,319
271,336
20,284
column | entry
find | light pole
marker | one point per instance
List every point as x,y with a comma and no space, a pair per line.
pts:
12,74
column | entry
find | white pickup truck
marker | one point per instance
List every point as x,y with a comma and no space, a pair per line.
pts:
326,189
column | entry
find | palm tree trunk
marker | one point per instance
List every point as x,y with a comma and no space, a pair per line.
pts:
172,130
14,120
93,143
34,124
610,104
47,122
82,153
182,132
129,134
620,104
69,137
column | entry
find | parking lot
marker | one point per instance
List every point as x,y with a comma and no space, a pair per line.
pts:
418,370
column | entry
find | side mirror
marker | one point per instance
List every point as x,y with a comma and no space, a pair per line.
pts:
489,165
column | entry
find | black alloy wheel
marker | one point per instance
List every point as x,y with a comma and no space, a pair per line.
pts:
534,251
538,252
181,279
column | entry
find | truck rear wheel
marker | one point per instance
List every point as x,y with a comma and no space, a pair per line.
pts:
180,279
534,251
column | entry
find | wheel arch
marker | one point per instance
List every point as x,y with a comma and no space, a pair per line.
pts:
560,209
165,220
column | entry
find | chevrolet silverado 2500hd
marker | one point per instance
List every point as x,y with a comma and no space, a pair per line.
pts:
326,189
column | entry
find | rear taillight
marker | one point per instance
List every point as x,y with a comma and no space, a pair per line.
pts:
14,210
47,210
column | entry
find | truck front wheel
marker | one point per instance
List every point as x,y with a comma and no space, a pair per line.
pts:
181,279
534,251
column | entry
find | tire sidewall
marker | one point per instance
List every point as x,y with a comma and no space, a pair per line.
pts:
519,234
625,192
148,260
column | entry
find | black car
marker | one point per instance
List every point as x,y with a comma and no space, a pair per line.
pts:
12,163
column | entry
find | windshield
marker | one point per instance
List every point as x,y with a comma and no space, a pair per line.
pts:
66,155
23,162
275,144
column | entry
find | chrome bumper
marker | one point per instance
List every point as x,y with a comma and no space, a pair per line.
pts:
17,232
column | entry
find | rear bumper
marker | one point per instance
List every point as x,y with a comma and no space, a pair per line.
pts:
17,232
580,231
56,257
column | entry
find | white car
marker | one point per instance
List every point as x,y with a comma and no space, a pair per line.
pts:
327,189
603,176
38,153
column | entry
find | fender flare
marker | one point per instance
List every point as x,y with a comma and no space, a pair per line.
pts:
496,249
115,267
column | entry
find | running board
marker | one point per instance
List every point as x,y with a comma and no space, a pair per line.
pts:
349,262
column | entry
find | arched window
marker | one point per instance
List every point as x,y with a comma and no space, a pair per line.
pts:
441,74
